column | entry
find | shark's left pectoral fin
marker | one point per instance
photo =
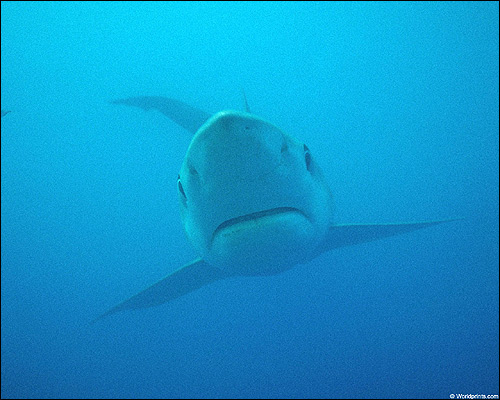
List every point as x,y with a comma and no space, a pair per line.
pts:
347,235
186,279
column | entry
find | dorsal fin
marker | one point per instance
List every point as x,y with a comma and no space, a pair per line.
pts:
247,108
190,118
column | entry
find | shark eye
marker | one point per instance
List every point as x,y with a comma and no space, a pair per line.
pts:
307,157
179,186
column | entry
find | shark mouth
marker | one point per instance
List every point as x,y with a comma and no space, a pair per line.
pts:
255,216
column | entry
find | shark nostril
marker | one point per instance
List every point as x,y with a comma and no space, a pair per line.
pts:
192,171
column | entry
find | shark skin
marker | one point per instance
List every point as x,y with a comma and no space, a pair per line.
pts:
253,202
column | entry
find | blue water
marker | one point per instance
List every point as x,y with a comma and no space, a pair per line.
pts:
397,101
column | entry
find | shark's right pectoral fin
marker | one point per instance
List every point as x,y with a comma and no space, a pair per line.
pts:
186,279
190,118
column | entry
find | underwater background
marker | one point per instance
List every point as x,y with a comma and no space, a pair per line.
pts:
399,102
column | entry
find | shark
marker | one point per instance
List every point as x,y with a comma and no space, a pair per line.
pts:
4,113
253,201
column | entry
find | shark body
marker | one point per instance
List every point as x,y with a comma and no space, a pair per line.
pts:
253,202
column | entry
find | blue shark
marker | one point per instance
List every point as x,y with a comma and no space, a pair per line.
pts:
253,201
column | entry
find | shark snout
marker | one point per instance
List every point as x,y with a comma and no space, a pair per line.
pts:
238,145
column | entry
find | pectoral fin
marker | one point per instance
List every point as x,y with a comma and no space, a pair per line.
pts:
186,279
347,235
190,118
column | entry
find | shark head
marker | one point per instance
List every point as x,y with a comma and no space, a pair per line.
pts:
253,200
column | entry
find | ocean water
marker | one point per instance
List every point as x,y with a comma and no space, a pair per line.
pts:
399,102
